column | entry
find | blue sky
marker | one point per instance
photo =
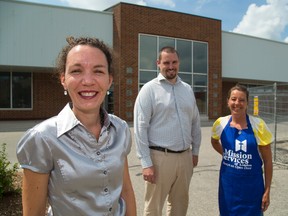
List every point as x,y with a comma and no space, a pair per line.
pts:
261,18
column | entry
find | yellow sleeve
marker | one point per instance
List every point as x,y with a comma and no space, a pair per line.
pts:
218,127
261,131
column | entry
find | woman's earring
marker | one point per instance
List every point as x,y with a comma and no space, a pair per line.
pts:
108,93
65,92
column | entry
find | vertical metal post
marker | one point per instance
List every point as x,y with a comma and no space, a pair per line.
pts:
275,120
256,106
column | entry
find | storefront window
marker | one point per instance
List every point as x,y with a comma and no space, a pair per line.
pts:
16,90
163,41
5,90
193,63
148,51
146,76
199,80
200,57
184,49
186,77
201,99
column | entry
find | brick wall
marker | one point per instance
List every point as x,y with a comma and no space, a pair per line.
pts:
48,100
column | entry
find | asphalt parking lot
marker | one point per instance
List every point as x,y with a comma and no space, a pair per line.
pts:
204,183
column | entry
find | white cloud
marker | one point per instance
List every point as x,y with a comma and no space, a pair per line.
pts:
104,4
169,3
91,4
200,4
141,2
266,21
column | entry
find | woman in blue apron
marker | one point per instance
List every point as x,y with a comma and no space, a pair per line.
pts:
244,143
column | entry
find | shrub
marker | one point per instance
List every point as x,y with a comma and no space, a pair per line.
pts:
8,174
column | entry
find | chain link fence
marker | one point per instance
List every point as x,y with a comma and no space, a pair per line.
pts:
271,104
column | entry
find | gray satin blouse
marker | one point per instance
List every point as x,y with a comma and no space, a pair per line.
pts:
86,175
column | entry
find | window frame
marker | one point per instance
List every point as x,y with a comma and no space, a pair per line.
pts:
11,73
192,72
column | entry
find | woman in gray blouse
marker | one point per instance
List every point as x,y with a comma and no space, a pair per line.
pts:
78,159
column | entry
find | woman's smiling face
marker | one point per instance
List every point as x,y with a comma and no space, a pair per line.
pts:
86,78
237,102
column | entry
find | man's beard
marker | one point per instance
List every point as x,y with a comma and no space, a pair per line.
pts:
170,75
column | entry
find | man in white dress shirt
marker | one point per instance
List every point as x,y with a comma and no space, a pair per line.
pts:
168,137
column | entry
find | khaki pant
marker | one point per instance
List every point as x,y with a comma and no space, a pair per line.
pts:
173,175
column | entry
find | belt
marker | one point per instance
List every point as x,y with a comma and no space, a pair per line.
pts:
158,148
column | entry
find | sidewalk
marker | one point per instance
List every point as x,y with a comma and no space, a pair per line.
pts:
204,184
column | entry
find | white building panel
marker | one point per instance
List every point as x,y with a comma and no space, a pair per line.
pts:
246,57
33,34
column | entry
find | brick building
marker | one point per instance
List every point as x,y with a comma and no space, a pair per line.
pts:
132,22
210,59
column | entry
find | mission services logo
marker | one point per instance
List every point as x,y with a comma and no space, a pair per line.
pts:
241,145
238,158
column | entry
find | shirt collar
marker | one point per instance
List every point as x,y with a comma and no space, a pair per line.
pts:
66,120
160,78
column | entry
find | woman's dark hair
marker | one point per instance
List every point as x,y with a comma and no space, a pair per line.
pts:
238,87
72,42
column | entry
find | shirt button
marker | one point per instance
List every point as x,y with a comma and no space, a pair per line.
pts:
98,153
106,189
105,172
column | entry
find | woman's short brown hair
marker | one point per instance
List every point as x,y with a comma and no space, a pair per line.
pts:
72,42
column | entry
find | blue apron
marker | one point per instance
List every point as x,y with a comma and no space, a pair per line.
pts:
241,184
